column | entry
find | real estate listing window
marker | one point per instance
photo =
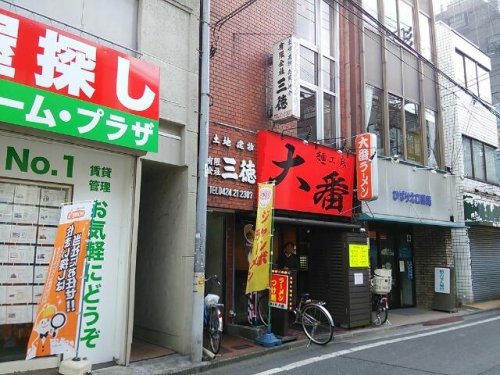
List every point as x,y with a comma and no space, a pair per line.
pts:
29,216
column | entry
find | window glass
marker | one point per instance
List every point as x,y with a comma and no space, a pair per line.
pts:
306,127
327,29
471,75
413,133
432,140
306,20
308,66
328,71
371,7
406,29
478,160
395,126
459,69
425,37
467,147
483,77
491,175
373,115
328,116
391,15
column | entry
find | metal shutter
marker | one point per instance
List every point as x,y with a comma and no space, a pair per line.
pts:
485,262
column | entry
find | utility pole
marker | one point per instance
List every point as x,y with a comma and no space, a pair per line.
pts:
201,202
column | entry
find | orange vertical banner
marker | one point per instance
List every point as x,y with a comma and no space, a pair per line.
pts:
55,327
258,271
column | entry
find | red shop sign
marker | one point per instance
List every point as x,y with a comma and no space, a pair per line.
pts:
309,177
44,57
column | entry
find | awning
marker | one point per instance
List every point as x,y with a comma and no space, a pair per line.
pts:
299,221
409,220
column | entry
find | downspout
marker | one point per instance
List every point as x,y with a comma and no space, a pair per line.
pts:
201,202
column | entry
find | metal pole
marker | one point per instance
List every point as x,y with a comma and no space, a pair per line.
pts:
201,203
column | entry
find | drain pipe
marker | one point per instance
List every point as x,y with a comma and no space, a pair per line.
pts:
201,202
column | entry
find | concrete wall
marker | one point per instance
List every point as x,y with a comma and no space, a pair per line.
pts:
168,33
114,20
164,274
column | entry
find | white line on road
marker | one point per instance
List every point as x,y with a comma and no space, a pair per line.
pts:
323,357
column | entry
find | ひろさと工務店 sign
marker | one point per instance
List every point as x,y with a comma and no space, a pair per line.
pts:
54,81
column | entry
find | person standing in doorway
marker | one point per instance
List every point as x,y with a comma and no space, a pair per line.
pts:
288,258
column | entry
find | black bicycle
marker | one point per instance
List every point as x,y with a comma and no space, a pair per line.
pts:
315,319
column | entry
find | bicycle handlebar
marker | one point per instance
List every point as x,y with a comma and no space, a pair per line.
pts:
213,277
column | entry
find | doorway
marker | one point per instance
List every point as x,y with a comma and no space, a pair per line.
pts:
392,248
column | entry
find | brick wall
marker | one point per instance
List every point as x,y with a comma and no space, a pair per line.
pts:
433,248
240,83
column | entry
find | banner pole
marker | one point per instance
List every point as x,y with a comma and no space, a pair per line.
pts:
271,252
86,268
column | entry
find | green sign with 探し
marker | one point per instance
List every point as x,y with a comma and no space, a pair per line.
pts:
44,110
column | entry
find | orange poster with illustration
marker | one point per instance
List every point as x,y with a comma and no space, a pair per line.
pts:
55,326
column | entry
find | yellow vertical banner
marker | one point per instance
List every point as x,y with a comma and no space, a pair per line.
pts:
55,327
258,271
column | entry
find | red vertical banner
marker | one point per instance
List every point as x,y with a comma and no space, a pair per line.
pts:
55,327
366,166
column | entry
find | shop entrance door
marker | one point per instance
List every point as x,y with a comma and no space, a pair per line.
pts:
391,248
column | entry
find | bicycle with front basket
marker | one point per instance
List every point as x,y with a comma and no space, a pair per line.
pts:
315,319
212,320
380,285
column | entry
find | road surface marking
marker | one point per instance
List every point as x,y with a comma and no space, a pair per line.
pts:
340,353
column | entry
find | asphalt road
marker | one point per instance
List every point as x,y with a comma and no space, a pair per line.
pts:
470,347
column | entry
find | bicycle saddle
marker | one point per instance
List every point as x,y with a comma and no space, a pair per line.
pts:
305,296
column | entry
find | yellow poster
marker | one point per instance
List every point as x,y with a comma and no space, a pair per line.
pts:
258,271
358,256
56,324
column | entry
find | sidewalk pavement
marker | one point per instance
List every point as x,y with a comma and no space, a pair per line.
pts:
236,349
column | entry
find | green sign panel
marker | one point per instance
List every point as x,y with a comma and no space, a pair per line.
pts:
480,211
39,109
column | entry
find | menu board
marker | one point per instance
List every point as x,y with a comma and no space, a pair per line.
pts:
29,215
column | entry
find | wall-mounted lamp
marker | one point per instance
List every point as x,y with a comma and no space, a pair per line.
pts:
433,170
461,176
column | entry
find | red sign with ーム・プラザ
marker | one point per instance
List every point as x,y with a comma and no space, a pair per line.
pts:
308,177
55,81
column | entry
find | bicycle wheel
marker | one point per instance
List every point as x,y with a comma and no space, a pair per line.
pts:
380,314
214,335
317,324
263,309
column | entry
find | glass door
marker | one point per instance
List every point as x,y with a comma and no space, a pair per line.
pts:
406,271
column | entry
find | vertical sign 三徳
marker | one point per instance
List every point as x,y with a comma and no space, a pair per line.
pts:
56,325
286,86
258,270
366,166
